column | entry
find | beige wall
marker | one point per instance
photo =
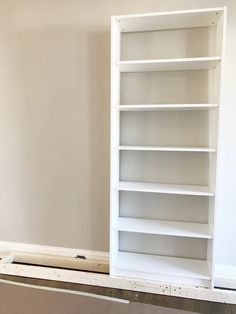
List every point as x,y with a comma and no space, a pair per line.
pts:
54,116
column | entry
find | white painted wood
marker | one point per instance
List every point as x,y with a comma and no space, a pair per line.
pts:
169,149
177,168
165,188
156,276
179,43
178,64
163,245
115,135
172,207
173,266
178,128
156,129
220,46
168,20
174,87
181,229
167,107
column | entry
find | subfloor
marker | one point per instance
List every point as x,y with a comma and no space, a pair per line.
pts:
15,300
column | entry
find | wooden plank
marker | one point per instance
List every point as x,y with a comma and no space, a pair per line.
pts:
172,302
103,280
79,262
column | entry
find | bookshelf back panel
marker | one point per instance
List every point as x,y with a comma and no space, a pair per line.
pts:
165,128
164,206
165,167
178,43
177,87
163,245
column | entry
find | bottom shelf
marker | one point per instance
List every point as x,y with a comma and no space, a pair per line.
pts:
153,267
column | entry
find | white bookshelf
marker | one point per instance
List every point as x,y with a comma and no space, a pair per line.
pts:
166,73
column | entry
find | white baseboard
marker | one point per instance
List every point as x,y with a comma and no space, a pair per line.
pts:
225,276
8,247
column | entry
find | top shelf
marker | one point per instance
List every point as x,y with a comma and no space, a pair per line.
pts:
201,63
168,20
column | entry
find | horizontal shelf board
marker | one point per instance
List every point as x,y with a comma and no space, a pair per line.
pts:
165,188
163,227
201,63
153,107
175,266
168,20
169,148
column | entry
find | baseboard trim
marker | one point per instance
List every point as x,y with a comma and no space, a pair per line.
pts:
225,276
8,247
